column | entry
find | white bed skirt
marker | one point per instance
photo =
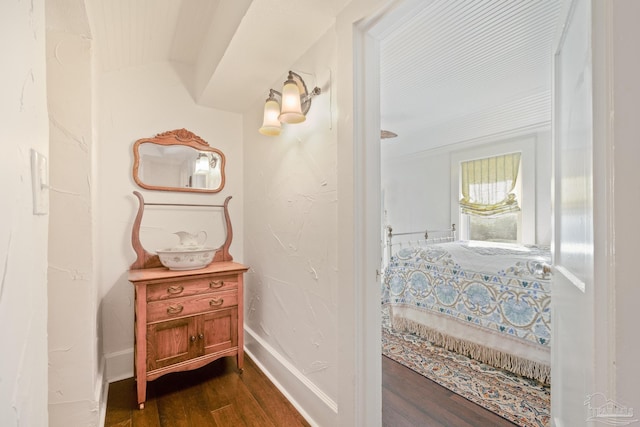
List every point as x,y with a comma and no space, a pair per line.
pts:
495,349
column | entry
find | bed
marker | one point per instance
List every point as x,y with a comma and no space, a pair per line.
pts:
488,301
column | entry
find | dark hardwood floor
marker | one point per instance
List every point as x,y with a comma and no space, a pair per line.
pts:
411,400
214,396
217,396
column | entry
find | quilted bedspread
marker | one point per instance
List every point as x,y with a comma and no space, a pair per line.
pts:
490,301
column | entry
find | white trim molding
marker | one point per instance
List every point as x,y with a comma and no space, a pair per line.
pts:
312,403
119,365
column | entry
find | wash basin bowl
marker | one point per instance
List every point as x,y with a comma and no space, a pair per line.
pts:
184,258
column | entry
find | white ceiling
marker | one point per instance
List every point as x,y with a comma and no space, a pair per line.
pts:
448,69
235,49
455,69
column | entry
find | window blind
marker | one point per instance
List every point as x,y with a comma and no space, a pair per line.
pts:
488,185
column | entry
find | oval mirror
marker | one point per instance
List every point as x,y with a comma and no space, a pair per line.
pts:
178,160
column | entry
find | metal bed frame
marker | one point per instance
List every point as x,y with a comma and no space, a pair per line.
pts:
428,237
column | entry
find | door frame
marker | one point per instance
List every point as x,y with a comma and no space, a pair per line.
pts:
366,163
599,312
366,204
603,309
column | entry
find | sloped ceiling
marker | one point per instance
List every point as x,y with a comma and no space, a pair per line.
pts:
458,69
450,70
235,49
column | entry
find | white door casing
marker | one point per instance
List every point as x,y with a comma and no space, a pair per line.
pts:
367,199
582,322
581,148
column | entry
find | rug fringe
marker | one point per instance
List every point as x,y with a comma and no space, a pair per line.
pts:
496,358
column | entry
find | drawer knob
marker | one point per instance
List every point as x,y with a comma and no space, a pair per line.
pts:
200,336
174,309
216,302
192,338
215,284
175,289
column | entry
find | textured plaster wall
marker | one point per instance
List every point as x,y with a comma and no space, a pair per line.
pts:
291,229
23,236
304,291
140,103
74,361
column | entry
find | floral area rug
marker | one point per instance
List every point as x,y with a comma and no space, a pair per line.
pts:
520,400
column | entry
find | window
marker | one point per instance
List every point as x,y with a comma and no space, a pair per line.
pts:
503,228
490,194
532,186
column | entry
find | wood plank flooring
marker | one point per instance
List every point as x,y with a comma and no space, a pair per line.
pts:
217,396
410,400
212,396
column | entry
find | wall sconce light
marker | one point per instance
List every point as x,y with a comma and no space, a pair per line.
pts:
295,100
206,162
202,163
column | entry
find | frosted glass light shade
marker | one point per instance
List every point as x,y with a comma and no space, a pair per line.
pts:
202,163
291,108
270,123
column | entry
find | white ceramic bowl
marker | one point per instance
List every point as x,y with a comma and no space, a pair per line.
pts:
186,258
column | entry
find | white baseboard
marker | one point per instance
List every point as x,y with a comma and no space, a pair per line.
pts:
312,403
119,365
115,366
102,393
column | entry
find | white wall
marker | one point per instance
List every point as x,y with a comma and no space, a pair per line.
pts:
417,188
416,191
543,187
75,372
140,103
290,242
303,291
23,236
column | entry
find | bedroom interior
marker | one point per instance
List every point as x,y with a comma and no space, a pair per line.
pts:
86,78
463,85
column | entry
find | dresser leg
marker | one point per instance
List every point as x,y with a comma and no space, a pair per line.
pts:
240,360
142,391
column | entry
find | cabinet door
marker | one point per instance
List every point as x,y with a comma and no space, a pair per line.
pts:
220,330
171,342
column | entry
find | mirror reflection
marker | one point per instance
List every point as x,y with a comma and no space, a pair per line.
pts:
178,161
161,223
178,166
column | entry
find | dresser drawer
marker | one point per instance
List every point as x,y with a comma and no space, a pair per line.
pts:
187,306
183,288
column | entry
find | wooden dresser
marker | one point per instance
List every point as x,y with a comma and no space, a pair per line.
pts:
186,319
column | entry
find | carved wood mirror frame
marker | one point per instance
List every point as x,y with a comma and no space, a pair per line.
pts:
178,138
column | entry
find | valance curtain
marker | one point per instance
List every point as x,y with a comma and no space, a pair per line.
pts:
488,185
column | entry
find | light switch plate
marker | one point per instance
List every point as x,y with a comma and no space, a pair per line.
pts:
39,183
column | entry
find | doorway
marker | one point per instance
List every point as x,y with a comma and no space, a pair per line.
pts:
367,123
